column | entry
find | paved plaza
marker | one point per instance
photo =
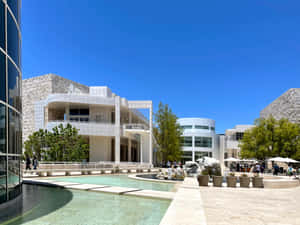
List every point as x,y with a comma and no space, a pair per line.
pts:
251,206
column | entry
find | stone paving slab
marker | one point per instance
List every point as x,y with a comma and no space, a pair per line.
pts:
237,206
152,194
115,190
63,184
85,186
186,207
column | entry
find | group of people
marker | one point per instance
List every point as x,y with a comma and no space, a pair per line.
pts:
33,162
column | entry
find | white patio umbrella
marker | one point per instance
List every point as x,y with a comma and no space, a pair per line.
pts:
279,159
231,159
288,160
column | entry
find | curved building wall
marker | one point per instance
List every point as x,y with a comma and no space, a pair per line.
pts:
10,100
198,139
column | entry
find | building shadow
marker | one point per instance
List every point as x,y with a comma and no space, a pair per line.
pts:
36,201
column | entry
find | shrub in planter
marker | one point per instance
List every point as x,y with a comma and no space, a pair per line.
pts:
217,181
244,181
257,181
231,180
203,178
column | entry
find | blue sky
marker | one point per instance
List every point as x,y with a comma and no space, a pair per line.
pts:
224,60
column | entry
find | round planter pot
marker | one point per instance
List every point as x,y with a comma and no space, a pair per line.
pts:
244,182
231,181
217,181
258,182
203,180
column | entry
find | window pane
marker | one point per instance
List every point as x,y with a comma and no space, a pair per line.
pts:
186,127
13,179
14,6
14,86
2,25
212,128
12,39
2,179
15,133
2,129
2,77
186,141
204,142
201,127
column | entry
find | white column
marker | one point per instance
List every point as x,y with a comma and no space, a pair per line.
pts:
67,112
222,147
141,148
117,129
193,149
150,136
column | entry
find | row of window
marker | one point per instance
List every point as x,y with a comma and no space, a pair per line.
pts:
202,127
203,142
14,131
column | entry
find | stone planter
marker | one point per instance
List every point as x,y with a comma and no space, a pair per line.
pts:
203,180
258,182
217,181
231,181
244,182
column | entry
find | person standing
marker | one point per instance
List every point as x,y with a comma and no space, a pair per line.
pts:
35,163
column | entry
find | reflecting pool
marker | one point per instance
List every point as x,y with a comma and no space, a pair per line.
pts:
71,207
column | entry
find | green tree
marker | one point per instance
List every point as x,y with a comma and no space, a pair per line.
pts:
271,138
168,134
36,143
62,144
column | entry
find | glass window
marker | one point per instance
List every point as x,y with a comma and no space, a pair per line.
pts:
187,141
2,179
12,39
201,127
79,112
204,142
2,25
14,98
186,127
2,129
239,136
187,155
14,132
13,179
14,5
2,77
212,128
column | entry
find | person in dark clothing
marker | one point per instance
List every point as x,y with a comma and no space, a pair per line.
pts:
238,167
276,169
28,162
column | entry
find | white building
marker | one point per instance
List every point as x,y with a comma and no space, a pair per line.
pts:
199,138
114,127
233,138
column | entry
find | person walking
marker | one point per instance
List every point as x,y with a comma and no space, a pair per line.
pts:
28,162
35,163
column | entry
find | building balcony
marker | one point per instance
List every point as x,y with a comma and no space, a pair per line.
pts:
135,127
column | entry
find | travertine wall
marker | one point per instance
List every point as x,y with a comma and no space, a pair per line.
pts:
37,89
286,106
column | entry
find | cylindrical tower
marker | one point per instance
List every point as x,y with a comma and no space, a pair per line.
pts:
10,100
198,138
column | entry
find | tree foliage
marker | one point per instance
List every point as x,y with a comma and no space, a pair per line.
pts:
62,144
168,134
271,138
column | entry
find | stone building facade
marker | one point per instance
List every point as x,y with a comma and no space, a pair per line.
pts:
38,88
113,126
286,106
